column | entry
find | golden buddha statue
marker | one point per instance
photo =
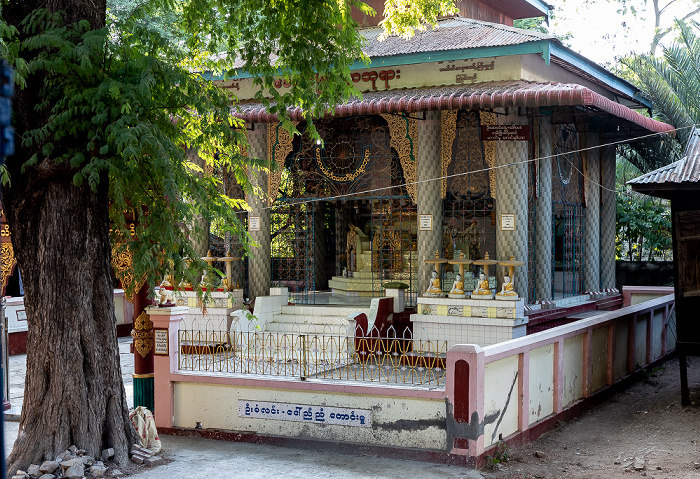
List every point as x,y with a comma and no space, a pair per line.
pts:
458,285
507,290
434,287
483,287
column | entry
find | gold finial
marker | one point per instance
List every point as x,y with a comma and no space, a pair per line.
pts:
461,255
487,255
437,254
512,257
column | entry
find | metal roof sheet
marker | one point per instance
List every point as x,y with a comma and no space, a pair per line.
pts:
681,172
477,96
455,33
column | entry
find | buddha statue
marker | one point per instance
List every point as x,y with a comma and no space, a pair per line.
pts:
458,285
483,287
507,291
434,288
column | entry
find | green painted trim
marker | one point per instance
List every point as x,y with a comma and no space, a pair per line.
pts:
599,73
144,393
538,47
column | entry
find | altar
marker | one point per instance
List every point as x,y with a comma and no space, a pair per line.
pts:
467,321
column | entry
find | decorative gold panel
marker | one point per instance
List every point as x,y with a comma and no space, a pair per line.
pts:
279,144
8,262
143,321
404,131
489,118
123,270
448,132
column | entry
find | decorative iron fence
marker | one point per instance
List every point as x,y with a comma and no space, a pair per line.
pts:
389,358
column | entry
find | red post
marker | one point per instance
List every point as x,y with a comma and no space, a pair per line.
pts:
143,351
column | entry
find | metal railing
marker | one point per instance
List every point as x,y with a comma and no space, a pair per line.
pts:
392,358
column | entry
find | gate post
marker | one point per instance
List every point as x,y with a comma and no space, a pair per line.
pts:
465,394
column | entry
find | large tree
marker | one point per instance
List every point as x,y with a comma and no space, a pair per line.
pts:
104,115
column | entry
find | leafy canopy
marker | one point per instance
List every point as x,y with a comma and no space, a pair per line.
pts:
126,103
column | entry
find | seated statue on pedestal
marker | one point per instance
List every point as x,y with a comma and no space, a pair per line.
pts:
507,290
458,285
434,288
482,288
354,246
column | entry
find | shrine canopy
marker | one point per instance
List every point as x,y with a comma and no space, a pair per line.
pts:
472,64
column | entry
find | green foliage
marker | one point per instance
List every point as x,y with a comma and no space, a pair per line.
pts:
672,82
643,226
126,103
403,18
500,455
395,285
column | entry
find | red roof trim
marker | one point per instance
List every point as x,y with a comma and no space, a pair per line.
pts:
510,95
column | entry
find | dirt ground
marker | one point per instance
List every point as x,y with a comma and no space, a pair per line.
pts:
641,431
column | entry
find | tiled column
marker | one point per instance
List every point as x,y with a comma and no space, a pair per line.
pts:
511,198
607,217
543,216
260,263
200,240
429,198
592,220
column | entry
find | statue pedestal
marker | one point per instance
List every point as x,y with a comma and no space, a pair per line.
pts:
505,297
482,296
434,295
457,296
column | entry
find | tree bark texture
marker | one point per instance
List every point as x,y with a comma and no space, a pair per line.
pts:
74,394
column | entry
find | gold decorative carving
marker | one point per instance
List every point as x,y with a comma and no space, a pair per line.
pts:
448,132
123,270
279,144
362,169
143,341
143,334
489,118
143,321
7,263
404,131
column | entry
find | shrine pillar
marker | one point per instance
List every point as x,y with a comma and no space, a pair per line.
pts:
607,217
543,213
591,181
428,194
260,261
511,199
143,351
200,240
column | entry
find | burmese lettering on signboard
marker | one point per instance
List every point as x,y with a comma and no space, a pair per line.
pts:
339,416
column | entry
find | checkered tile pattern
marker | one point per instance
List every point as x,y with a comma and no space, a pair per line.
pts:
201,244
429,198
592,235
259,264
607,218
543,220
511,197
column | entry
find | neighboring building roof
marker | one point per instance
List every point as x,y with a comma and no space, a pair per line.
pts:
680,175
454,33
477,96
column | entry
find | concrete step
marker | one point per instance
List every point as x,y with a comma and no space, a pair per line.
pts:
325,310
303,319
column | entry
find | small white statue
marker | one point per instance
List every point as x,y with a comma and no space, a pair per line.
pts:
434,288
507,291
482,290
458,285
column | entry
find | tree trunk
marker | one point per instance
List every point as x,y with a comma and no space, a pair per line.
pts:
74,394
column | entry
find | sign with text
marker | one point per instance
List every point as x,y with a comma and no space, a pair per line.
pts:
340,416
160,337
508,222
505,132
254,223
425,222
